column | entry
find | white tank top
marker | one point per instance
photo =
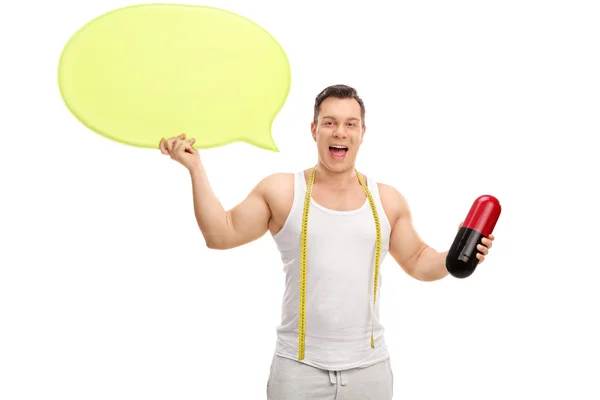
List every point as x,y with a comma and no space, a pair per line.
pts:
339,283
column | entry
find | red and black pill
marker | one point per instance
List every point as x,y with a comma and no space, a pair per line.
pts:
462,260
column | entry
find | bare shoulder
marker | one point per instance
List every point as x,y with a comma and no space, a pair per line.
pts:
276,184
394,203
278,192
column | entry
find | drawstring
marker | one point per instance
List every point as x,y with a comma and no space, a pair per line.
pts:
334,376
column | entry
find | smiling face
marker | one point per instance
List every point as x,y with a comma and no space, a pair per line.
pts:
338,132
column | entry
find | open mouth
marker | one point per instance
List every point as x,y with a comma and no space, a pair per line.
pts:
338,152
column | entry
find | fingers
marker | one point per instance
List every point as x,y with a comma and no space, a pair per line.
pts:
177,147
171,142
182,145
190,148
482,249
163,146
172,145
480,257
487,242
173,149
166,145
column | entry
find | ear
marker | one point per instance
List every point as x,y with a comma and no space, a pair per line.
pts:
362,135
313,130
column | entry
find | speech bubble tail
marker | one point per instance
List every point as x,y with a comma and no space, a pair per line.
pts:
264,142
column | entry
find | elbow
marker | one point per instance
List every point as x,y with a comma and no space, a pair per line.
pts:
420,275
430,273
430,277
429,265
216,244
211,244
217,241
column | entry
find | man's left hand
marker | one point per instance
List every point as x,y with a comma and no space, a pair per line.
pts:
484,247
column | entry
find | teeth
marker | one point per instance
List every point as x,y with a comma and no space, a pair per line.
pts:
340,147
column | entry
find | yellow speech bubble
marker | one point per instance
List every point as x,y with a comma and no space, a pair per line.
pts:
140,73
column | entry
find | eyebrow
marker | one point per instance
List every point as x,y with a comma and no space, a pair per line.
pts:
349,119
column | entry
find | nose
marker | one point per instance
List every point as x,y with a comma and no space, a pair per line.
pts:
340,132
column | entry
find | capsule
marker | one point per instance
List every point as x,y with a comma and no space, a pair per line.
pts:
462,260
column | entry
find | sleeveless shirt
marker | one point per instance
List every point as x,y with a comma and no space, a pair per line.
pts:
339,283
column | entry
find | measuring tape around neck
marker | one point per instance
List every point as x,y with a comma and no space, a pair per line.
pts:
303,252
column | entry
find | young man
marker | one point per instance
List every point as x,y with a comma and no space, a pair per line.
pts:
333,235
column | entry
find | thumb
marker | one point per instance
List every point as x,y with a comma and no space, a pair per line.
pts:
460,225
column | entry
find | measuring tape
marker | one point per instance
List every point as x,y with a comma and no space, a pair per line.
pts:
303,244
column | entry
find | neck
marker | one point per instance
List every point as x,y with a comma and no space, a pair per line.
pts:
341,179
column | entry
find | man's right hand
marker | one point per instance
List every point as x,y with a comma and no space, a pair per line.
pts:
181,150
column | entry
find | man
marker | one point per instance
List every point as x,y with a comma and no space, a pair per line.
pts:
326,222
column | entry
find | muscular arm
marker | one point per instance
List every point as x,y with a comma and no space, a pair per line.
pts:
415,257
223,229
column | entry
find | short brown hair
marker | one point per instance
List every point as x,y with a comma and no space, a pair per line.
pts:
340,92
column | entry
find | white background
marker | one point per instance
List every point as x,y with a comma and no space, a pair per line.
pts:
107,290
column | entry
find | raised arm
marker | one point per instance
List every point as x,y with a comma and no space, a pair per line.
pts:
222,229
415,257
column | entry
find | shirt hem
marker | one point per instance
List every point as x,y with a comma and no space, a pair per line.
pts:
334,367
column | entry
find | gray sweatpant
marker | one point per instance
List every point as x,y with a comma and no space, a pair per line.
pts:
293,380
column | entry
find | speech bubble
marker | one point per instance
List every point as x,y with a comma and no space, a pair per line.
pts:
143,72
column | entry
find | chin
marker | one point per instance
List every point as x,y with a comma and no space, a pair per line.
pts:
337,167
